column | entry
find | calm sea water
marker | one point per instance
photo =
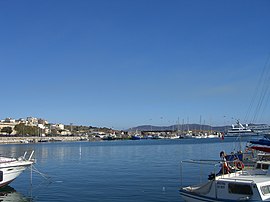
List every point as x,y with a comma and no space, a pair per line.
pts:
115,171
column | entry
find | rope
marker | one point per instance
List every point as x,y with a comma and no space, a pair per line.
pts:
45,176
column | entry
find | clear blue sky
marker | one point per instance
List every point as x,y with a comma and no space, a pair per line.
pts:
123,63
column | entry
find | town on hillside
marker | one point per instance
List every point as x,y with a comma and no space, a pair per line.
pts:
32,126
38,127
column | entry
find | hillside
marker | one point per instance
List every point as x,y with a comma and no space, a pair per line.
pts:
179,127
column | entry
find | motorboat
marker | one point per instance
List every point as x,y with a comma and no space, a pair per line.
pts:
135,137
240,185
11,168
239,129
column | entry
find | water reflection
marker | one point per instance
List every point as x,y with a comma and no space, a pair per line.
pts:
10,194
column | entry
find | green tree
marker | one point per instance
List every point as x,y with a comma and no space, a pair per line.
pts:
20,129
7,130
23,129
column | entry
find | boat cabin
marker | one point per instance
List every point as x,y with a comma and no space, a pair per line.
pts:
246,185
230,188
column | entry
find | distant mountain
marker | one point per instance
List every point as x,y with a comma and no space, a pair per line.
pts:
179,127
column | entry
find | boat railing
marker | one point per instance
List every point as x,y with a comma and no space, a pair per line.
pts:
201,163
28,156
6,160
217,169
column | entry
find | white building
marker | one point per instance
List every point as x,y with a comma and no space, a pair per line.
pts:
58,126
32,121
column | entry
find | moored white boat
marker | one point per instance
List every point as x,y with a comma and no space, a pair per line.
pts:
11,168
238,186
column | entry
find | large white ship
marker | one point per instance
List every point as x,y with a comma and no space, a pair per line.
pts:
239,130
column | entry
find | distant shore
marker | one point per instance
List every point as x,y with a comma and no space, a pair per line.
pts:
21,140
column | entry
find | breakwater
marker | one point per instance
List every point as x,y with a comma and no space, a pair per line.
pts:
17,140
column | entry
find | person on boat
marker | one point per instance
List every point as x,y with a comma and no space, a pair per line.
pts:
225,167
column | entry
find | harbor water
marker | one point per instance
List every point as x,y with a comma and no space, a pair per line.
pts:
115,171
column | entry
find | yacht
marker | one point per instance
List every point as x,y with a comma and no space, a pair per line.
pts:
11,168
239,130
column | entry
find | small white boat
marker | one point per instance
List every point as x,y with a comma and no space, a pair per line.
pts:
237,186
11,168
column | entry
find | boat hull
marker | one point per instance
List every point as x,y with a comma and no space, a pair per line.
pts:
264,149
189,197
10,171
